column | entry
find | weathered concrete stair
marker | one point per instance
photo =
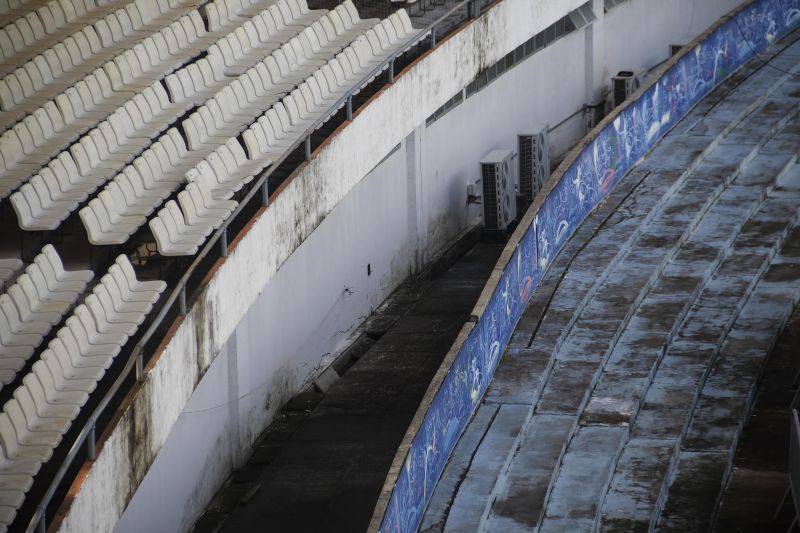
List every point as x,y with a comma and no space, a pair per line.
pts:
568,438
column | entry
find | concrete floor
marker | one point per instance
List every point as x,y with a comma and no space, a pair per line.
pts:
620,401
321,466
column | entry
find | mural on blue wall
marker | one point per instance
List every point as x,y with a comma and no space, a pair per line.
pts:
599,167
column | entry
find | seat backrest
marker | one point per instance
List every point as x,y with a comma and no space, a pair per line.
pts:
255,141
338,23
42,375
97,310
28,406
27,285
20,299
91,323
15,414
8,436
66,345
7,306
51,255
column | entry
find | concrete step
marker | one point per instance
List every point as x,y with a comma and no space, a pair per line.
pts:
641,469
759,477
457,467
609,303
696,483
582,479
476,488
726,397
629,375
583,307
518,503
630,368
670,399
646,323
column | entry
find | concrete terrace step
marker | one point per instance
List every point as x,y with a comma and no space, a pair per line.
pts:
591,348
628,503
669,396
585,471
725,402
529,474
467,508
630,366
759,478
643,265
629,370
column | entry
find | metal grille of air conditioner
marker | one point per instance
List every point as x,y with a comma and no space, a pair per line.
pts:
489,179
534,162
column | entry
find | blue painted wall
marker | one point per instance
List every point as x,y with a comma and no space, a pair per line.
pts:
597,169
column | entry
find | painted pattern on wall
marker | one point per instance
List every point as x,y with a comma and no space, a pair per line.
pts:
585,183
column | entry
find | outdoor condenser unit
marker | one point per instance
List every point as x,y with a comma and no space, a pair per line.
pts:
534,162
499,196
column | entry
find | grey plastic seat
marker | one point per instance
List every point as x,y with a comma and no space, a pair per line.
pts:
44,386
51,255
98,234
135,284
98,332
111,320
13,450
16,321
8,268
49,289
11,339
111,298
34,394
29,422
83,378
72,354
196,203
74,339
32,310
167,240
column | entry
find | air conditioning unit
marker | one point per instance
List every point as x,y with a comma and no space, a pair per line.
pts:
499,196
624,84
534,162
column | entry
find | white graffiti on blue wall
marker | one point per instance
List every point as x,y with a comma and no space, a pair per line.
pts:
585,183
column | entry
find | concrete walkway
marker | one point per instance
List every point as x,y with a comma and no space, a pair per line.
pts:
620,400
321,466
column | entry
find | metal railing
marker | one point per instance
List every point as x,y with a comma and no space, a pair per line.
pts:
219,238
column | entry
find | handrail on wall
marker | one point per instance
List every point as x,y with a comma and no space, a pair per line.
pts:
87,435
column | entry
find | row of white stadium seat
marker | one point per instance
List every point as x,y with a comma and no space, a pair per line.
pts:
34,304
230,56
48,197
112,219
178,231
121,208
54,70
118,80
46,25
51,395
12,9
150,106
29,144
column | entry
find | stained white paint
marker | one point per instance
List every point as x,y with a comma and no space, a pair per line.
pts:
278,305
